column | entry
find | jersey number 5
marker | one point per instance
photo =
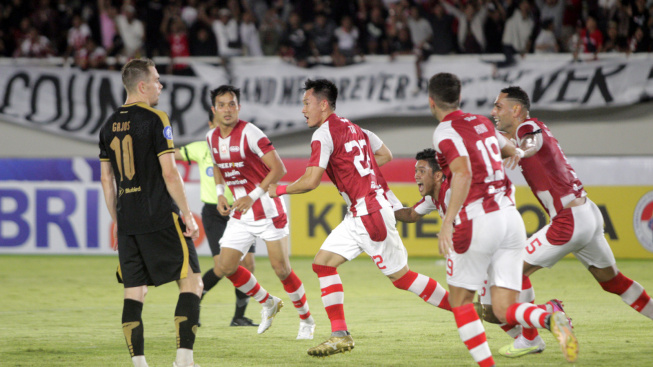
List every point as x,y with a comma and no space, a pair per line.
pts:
362,160
124,156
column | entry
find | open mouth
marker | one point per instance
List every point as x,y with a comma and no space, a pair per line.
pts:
420,187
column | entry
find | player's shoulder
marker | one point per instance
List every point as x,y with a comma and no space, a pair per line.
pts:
529,126
322,132
156,115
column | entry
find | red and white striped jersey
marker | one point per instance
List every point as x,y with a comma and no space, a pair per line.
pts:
239,158
548,172
429,204
343,150
474,136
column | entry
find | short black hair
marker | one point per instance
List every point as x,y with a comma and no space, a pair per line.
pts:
323,89
428,155
224,89
518,95
444,89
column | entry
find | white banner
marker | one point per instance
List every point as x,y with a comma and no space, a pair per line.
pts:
75,103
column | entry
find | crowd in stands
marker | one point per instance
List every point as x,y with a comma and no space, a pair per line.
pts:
306,32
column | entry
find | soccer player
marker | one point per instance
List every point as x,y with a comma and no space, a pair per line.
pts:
214,222
245,161
344,151
576,223
489,232
144,194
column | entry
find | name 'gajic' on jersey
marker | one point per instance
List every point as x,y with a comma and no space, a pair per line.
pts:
238,156
132,139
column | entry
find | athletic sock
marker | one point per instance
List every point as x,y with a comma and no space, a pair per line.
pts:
242,300
472,334
295,289
187,315
246,282
630,292
527,294
426,288
210,280
333,296
512,330
527,315
132,327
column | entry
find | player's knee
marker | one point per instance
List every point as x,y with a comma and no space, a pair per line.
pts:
282,270
499,313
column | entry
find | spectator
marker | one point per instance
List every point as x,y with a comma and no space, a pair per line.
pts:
494,27
294,41
640,18
35,45
517,34
376,39
637,42
554,10
401,44
91,56
591,38
226,31
471,39
131,32
347,37
442,24
108,28
154,13
321,36
613,42
249,35
189,13
204,42
546,41
271,33
77,36
176,34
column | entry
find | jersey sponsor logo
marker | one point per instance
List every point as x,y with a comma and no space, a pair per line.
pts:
480,129
231,164
643,221
167,132
234,149
236,182
209,171
231,173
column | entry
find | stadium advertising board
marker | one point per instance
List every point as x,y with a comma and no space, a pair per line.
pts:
56,206
74,103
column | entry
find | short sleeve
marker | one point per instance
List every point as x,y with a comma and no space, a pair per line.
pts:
104,154
425,206
502,139
448,143
321,147
208,141
375,142
526,128
257,141
163,134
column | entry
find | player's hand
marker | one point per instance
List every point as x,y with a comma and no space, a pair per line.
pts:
511,162
192,229
114,242
243,204
223,206
272,190
445,239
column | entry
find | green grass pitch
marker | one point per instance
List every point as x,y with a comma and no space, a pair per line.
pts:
66,311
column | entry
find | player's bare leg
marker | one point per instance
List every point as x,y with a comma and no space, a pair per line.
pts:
278,254
325,266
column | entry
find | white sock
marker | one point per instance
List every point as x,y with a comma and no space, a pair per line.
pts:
139,361
184,357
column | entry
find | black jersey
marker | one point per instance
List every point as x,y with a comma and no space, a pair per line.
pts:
132,139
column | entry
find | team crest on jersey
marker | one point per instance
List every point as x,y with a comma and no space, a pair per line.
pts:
167,132
223,148
643,221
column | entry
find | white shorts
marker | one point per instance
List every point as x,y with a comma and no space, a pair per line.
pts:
488,247
577,230
352,237
240,235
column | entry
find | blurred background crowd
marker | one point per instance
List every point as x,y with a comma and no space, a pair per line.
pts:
309,32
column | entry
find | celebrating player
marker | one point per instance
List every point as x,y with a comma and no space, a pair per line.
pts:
344,151
576,223
489,232
245,160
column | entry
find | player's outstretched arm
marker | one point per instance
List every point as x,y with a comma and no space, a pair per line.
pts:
109,189
407,215
310,180
175,186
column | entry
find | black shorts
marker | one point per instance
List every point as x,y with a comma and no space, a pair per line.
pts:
214,226
156,258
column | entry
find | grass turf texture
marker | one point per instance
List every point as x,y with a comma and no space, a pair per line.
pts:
66,310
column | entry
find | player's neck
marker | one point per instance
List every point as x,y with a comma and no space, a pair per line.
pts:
131,99
441,114
225,130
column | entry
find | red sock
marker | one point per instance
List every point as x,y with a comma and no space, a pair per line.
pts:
470,329
295,289
333,296
246,283
527,315
426,288
630,292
